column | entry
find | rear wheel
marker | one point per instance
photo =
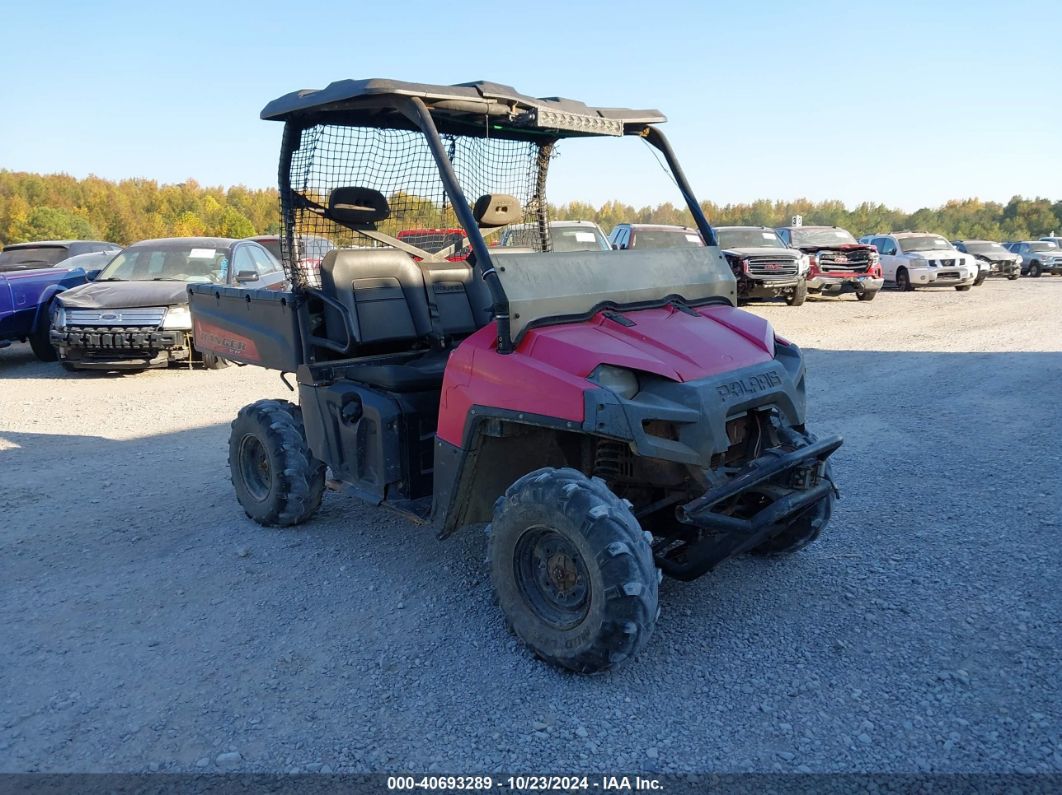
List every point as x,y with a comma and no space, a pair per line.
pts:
212,361
1035,270
903,281
797,295
39,342
277,479
572,570
867,295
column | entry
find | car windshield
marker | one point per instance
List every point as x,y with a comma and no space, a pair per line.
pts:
820,237
666,238
19,259
179,263
1042,247
563,238
924,243
985,248
748,238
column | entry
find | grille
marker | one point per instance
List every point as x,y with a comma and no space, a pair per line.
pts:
772,266
944,263
853,262
149,316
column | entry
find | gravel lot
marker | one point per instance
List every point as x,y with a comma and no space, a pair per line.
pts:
147,624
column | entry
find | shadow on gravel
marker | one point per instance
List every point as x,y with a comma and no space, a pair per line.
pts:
919,633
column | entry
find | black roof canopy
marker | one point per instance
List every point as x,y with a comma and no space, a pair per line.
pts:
478,109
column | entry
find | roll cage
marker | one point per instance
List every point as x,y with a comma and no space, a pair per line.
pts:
478,111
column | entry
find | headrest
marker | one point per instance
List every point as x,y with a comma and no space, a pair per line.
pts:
496,209
357,207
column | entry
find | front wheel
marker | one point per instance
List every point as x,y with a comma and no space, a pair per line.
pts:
964,288
980,279
797,295
572,570
803,530
277,480
903,281
1035,270
867,295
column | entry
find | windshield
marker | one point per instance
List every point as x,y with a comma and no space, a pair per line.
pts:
179,263
806,238
1042,247
564,238
666,238
748,238
18,259
924,243
985,248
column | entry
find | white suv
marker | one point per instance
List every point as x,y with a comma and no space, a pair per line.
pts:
921,259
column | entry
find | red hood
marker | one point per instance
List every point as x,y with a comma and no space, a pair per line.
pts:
546,375
665,341
841,247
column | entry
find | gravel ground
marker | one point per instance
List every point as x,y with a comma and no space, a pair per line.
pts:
147,624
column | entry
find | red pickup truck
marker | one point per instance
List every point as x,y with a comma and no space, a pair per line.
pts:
838,263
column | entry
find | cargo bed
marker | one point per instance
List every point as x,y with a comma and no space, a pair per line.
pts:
258,327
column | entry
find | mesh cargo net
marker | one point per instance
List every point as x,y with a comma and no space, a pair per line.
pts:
399,164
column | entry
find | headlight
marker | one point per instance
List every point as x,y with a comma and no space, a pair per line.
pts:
616,379
58,319
179,317
805,263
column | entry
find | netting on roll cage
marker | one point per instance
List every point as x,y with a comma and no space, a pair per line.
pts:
399,164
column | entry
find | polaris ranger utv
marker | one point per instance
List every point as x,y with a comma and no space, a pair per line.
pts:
611,414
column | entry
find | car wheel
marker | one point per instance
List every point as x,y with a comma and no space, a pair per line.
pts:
1035,270
572,570
903,281
212,361
963,288
797,295
866,295
42,346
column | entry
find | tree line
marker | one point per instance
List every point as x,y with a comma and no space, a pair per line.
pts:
58,206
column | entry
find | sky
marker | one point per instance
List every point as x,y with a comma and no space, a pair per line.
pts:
906,103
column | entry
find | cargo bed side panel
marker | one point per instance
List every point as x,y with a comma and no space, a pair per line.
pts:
247,326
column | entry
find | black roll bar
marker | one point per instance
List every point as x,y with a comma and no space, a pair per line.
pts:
655,137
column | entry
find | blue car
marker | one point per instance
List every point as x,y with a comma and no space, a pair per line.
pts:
26,297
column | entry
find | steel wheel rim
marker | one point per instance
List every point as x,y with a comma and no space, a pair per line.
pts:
552,578
255,469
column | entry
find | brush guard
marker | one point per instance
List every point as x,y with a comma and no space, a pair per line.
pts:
730,535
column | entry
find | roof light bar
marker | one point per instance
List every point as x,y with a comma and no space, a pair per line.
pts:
547,119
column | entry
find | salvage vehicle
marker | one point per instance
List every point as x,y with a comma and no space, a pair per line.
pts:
1037,257
49,253
837,264
26,299
612,415
765,267
993,256
628,236
563,236
921,259
310,253
135,315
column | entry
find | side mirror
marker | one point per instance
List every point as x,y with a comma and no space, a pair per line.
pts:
246,276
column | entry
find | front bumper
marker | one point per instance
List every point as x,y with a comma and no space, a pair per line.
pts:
941,277
1005,269
849,283
767,288
117,348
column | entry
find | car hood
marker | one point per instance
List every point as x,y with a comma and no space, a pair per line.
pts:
782,253
839,247
1002,256
119,295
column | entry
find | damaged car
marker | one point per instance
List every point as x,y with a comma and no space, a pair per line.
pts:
135,315
993,259
765,267
922,259
837,264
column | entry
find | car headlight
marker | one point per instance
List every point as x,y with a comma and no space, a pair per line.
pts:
805,263
615,379
178,317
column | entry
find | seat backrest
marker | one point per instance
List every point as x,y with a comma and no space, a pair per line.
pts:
382,290
463,300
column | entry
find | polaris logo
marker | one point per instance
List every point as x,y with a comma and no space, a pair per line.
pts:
751,385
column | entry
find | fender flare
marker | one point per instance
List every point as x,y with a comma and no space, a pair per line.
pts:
44,305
